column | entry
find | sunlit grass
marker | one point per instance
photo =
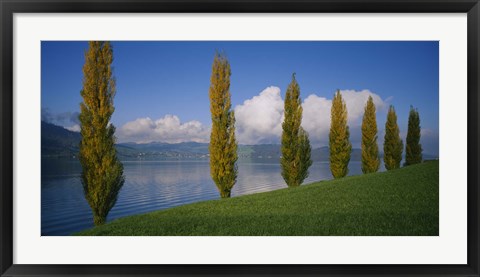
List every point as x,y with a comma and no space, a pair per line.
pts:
394,203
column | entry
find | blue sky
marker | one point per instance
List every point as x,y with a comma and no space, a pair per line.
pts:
162,87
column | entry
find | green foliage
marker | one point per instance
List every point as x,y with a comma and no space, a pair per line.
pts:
401,202
393,145
340,147
102,172
413,149
295,148
223,145
305,152
370,158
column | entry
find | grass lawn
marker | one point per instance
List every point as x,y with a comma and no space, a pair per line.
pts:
402,202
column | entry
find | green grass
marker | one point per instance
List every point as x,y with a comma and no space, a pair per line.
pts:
402,202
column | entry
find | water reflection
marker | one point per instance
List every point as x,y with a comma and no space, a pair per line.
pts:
149,186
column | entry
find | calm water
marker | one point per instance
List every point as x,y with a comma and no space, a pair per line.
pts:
150,186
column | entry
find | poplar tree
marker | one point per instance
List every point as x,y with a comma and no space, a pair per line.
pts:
305,152
370,159
296,149
413,149
102,172
393,145
223,145
340,147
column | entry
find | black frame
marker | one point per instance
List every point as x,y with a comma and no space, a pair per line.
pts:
9,7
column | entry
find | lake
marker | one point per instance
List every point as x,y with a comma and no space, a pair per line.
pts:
150,186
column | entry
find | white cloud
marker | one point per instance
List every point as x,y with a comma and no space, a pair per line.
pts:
166,129
259,120
74,128
316,118
356,100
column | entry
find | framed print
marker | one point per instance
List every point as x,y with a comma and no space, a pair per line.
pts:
245,138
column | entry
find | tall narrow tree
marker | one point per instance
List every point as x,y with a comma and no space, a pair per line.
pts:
393,145
296,149
340,147
370,159
305,151
102,172
223,145
413,150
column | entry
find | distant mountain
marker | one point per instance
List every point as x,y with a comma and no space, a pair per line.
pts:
61,143
162,151
58,141
188,147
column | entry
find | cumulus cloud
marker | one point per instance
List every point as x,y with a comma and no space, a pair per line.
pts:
259,119
166,129
316,114
316,118
356,100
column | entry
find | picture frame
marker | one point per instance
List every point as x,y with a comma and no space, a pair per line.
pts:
7,141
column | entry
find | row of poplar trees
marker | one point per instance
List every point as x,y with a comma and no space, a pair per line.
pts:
295,144
340,146
102,172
